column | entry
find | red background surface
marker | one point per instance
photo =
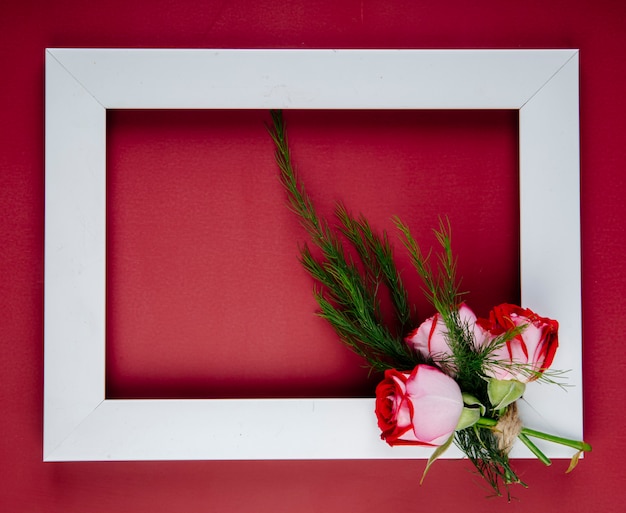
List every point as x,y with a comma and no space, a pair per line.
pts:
194,194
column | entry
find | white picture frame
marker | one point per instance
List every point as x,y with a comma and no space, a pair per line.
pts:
81,84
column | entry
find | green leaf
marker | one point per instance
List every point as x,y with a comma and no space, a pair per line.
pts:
469,417
438,452
470,400
503,392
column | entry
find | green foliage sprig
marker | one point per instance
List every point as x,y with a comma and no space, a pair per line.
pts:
348,294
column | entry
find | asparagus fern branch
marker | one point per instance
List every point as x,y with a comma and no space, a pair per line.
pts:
348,297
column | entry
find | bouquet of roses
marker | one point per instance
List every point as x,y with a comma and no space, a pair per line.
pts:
455,378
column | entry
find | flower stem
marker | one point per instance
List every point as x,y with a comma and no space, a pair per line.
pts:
485,422
535,450
575,444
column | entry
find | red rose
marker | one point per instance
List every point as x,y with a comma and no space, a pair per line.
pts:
431,338
418,408
532,351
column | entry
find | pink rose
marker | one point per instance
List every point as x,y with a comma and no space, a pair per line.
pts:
431,338
418,408
533,349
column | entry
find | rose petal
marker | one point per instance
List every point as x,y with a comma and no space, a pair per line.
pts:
437,403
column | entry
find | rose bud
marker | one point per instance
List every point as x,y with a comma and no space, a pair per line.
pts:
418,408
526,355
431,338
